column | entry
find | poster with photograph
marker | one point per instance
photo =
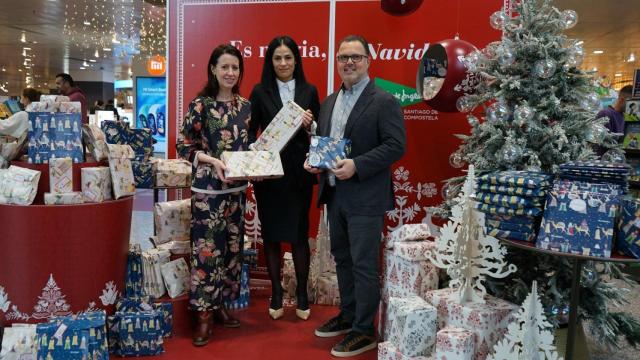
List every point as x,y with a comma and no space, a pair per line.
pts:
151,103
632,110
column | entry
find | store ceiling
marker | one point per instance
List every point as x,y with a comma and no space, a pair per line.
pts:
62,34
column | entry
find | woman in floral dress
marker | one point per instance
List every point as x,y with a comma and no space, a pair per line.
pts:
217,121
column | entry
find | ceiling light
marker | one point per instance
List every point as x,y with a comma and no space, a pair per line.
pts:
26,48
598,51
594,69
20,70
87,23
3,69
92,60
115,40
84,63
24,53
23,37
632,58
82,67
617,75
96,54
106,49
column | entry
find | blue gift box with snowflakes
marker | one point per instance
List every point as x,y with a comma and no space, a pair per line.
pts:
324,152
243,298
629,227
54,135
136,333
74,337
579,222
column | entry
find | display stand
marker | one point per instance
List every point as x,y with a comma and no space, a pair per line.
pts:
578,262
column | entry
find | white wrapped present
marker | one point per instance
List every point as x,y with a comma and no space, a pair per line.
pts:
172,172
414,250
454,343
60,175
176,277
488,322
404,277
96,141
387,351
412,324
69,198
96,184
121,171
249,165
282,128
326,291
152,261
172,220
69,107
175,247
19,342
54,98
56,106
408,232
18,185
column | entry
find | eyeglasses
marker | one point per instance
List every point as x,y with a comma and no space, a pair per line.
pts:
356,58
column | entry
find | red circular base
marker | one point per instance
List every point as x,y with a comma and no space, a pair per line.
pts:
80,247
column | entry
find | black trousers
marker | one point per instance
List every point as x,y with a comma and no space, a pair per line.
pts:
355,245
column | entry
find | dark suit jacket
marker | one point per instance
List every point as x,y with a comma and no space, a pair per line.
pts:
283,203
376,130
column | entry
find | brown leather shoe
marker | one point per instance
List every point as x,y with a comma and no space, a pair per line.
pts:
203,330
221,316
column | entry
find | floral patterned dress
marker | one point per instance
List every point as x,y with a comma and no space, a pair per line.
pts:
217,209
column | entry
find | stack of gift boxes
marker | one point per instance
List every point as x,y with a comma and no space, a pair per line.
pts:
61,183
419,323
513,202
582,208
141,143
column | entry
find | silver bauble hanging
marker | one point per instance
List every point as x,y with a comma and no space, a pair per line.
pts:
544,68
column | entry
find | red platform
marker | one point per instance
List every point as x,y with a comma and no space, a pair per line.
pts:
61,259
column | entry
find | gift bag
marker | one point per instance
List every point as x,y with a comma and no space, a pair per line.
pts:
176,277
134,277
324,152
152,260
138,333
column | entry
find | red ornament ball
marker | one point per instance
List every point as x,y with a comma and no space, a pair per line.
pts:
400,7
442,77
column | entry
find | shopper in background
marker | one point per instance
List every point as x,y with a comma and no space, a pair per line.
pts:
217,121
66,86
111,107
615,112
29,95
283,203
358,192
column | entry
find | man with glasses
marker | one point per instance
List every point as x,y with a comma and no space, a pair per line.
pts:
358,192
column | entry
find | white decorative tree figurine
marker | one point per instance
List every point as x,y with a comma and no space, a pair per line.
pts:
529,337
466,251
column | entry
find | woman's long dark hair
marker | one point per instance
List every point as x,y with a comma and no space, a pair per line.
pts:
212,87
269,74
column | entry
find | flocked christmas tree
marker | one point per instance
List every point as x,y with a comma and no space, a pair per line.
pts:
539,112
530,336
466,251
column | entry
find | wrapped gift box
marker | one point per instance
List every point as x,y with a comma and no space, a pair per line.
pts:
511,234
70,107
121,170
248,165
629,227
75,197
142,174
96,184
488,322
454,343
175,247
60,175
414,250
566,185
244,296
19,342
71,337
18,185
524,179
408,232
55,135
140,140
54,98
579,222
327,292
387,351
324,152
282,128
412,324
146,303
10,148
512,190
404,277
138,333
172,172
510,200
133,285
176,277
172,220
96,141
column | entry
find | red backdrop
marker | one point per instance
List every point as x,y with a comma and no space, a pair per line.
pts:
397,43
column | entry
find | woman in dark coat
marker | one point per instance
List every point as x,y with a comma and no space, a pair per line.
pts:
283,203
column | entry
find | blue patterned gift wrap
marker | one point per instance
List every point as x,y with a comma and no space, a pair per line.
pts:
140,140
514,223
596,166
137,333
54,135
524,179
511,234
142,174
503,210
70,337
243,298
579,222
251,258
512,201
511,190
564,185
324,152
133,278
629,227
146,303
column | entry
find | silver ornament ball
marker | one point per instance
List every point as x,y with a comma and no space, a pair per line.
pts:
544,68
465,104
569,18
498,19
523,114
497,112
